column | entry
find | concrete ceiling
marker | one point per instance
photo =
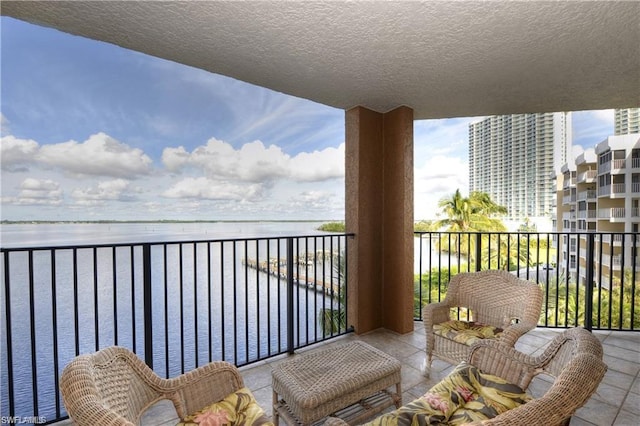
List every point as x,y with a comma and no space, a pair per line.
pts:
443,59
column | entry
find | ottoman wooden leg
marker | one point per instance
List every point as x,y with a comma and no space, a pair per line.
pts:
398,398
275,415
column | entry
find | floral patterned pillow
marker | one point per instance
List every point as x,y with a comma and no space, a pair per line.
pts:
465,395
466,332
238,408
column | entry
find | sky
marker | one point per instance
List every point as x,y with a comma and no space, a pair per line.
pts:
92,131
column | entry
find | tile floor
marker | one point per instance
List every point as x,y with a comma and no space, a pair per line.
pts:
616,402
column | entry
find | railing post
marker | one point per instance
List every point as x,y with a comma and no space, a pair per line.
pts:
478,251
147,303
588,293
290,344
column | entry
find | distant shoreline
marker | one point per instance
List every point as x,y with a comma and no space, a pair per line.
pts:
49,222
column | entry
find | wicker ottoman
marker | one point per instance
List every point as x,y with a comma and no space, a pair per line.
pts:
350,381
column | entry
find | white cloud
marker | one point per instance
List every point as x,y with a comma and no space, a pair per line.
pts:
100,155
37,192
15,153
254,162
318,165
4,125
205,188
438,177
114,190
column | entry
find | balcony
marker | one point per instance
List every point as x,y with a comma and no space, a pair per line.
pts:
612,190
612,213
618,165
282,296
588,176
587,195
607,406
346,82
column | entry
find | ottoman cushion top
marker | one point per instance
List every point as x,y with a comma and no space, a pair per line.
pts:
312,379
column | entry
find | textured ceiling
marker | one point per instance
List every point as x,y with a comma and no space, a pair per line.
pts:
443,59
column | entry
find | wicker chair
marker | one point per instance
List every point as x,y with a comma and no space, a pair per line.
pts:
573,360
493,298
114,387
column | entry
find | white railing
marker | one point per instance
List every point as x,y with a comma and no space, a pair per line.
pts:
635,187
611,213
617,239
588,194
589,176
635,163
619,163
604,190
618,188
617,212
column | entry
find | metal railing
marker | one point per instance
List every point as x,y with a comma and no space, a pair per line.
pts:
611,302
178,305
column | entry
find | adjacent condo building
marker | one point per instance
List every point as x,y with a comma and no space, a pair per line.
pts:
627,121
599,194
513,157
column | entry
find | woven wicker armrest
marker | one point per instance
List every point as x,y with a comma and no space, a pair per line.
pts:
496,358
512,333
203,386
115,387
570,390
435,313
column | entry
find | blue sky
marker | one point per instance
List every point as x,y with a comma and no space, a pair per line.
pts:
92,131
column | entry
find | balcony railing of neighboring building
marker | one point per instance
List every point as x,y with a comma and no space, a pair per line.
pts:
618,188
587,214
611,213
635,187
587,176
181,304
177,305
615,238
618,164
587,195
635,163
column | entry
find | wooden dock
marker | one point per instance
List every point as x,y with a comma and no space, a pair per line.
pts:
278,268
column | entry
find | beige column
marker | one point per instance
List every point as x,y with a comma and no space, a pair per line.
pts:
379,211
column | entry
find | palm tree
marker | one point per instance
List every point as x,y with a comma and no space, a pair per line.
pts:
334,319
476,213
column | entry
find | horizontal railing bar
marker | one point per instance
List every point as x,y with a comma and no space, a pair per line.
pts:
160,243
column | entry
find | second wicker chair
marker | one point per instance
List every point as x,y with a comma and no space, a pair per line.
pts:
493,304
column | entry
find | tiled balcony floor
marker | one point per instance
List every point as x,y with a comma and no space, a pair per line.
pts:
617,401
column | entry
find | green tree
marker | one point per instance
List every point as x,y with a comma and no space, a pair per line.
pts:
334,318
476,213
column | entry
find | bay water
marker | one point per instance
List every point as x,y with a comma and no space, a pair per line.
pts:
246,315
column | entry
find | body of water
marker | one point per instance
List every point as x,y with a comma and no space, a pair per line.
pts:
207,304
54,234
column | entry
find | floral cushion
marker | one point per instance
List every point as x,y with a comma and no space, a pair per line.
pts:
466,395
238,408
466,332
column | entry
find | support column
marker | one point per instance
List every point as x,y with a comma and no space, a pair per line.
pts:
379,210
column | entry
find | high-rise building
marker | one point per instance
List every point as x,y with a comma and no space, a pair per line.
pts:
627,121
599,192
513,157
